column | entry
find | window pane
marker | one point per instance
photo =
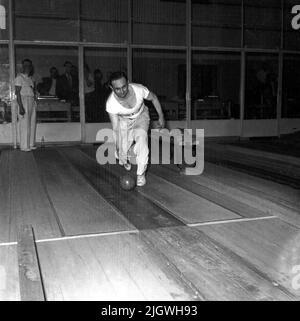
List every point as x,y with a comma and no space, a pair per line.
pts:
5,115
261,86
58,87
47,20
215,85
104,20
291,36
159,22
163,72
216,24
4,20
291,85
262,23
99,64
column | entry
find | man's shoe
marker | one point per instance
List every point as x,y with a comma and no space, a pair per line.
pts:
25,149
141,180
33,148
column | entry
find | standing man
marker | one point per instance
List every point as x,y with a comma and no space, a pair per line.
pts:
130,121
26,98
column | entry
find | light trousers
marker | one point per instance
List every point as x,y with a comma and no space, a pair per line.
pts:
27,123
135,131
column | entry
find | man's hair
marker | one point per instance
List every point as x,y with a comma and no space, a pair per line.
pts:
53,68
32,69
26,60
68,63
117,75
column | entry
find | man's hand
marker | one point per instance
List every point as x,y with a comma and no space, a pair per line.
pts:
161,122
21,111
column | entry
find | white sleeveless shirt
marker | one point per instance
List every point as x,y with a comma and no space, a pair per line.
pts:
113,106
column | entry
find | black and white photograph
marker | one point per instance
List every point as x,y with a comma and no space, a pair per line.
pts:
149,152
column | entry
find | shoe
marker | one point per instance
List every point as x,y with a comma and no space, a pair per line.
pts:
141,180
33,148
25,149
127,166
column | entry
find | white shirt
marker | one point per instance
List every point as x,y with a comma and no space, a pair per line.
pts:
113,106
26,83
52,91
91,88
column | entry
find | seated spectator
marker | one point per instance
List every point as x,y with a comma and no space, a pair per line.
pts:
48,86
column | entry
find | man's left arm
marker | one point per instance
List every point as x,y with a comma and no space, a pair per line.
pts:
153,98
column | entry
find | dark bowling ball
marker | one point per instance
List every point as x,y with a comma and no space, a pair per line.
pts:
127,182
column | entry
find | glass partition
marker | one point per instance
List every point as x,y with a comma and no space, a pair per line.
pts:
54,20
215,85
261,86
56,78
163,72
262,23
99,63
216,23
5,112
291,85
159,22
104,21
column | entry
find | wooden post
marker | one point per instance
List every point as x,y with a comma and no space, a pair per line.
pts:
12,75
81,92
242,92
31,286
129,44
188,62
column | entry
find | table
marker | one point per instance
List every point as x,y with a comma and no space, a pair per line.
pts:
53,105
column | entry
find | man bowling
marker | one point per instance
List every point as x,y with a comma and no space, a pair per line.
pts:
130,121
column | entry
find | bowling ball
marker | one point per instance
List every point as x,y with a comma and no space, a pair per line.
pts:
127,182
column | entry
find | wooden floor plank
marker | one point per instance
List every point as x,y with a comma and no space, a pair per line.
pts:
80,208
265,187
216,271
188,207
253,165
288,212
27,201
281,158
141,212
9,274
7,232
272,247
220,199
31,287
119,267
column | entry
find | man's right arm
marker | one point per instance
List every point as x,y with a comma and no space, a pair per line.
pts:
114,119
19,100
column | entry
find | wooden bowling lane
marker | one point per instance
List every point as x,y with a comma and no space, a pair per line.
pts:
109,268
215,270
23,198
268,189
272,247
287,211
79,208
140,211
222,200
254,165
9,274
186,206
